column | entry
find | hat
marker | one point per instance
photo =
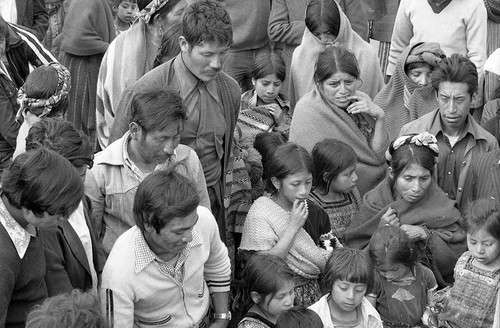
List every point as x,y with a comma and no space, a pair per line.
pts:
426,52
492,64
151,8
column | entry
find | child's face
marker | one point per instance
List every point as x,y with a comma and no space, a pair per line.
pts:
280,302
346,295
345,181
485,248
294,186
127,11
267,88
393,272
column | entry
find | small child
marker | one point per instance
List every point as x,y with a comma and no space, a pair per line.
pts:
269,291
472,300
348,276
126,13
403,287
299,317
264,109
335,180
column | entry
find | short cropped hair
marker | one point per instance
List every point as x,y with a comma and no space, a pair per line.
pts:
163,196
154,109
43,181
70,310
116,3
299,317
42,83
484,214
350,265
456,69
62,137
207,21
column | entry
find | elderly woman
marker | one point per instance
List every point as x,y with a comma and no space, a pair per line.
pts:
410,199
131,55
409,94
336,109
326,25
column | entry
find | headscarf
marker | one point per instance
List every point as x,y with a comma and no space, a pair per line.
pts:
63,86
427,52
153,7
424,139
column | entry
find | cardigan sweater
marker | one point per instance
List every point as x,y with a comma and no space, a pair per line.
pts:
140,298
304,59
459,28
314,121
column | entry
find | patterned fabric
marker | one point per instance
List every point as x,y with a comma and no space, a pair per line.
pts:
152,8
424,139
43,107
383,55
472,299
307,293
20,237
254,320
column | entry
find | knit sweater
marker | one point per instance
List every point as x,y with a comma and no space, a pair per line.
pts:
458,28
22,283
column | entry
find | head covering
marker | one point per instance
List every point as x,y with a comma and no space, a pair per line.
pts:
151,9
427,52
46,105
424,139
492,64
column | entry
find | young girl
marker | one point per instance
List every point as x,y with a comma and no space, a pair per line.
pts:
472,299
269,291
403,286
334,179
287,225
264,109
347,278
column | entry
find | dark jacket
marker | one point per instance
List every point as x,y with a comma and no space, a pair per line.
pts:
8,125
33,15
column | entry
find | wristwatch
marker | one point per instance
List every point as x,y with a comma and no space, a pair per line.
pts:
223,316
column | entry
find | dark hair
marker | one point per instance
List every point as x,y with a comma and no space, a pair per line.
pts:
267,63
484,214
42,83
43,181
169,47
163,196
62,137
288,159
116,3
299,317
408,154
333,60
266,143
70,310
207,21
264,274
350,265
154,109
456,69
390,244
163,11
330,156
141,4
323,13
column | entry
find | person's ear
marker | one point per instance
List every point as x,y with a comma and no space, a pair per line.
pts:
474,97
184,45
325,176
256,298
253,82
276,183
390,173
135,130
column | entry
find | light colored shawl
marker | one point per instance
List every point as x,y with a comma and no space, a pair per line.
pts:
304,60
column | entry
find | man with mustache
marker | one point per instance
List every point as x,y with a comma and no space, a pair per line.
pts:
460,139
211,97
151,143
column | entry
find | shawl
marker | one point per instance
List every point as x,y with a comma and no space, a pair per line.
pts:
304,60
314,121
493,8
391,98
434,210
123,64
265,224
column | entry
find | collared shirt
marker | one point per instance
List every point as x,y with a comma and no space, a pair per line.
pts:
144,256
20,236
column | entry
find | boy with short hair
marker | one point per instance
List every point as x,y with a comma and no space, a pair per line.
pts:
126,12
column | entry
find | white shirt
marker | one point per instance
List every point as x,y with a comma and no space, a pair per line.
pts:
8,10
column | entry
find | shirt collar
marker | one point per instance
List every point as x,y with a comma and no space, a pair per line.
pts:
144,255
188,81
20,237
437,127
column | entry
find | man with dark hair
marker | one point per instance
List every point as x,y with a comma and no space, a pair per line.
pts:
74,258
211,97
157,120
460,138
163,271
40,190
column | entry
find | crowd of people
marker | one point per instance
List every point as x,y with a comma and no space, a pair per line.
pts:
250,164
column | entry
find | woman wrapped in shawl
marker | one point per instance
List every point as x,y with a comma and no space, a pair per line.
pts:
409,94
130,56
327,25
410,199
